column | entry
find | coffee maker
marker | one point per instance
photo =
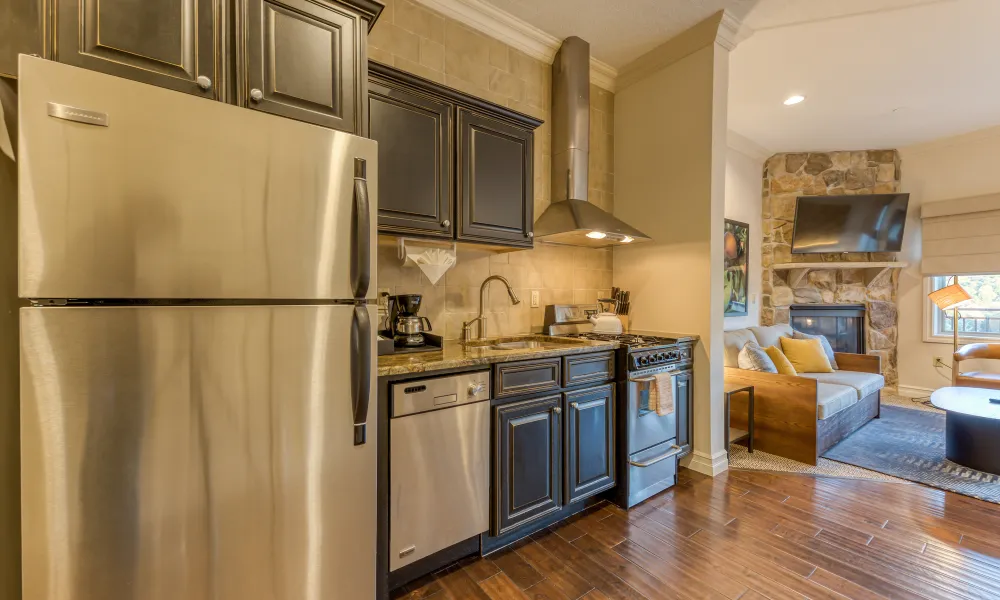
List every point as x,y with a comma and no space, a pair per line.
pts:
407,329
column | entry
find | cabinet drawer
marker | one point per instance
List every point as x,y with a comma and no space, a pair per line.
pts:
588,368
517,378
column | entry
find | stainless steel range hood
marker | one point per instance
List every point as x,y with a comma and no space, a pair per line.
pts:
571,219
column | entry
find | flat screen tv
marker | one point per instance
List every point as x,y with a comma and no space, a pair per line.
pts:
864,223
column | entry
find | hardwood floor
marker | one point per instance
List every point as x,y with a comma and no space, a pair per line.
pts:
750,535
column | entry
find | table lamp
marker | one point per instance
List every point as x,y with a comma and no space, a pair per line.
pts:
951,297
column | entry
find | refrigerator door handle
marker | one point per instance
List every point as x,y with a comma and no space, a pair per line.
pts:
361,250
361,365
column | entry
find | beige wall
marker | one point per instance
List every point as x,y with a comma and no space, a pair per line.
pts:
670,139
954,167
416,39
743,203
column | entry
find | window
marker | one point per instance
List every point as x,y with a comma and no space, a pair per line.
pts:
978,320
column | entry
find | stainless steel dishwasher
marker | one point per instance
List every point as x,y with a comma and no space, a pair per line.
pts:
439,464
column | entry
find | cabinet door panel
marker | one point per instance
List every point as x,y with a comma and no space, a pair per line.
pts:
302,63
415,160
495,181
528,462
590,442
167,43
21,30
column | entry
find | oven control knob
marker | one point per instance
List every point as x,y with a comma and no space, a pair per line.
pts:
475,389
643,360
661,356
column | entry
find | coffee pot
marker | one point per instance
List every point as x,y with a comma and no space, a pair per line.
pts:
406,327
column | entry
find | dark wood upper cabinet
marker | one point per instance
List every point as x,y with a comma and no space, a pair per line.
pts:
414,135
22,30
175,44
305,60
450,165
528,461
590,442
495,181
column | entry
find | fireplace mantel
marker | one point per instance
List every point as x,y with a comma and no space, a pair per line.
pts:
797,271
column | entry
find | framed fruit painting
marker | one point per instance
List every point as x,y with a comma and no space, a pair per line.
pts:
736,287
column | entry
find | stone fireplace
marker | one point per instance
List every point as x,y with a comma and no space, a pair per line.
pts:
788,176
842,324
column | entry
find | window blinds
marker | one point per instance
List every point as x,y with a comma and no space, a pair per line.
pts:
961,236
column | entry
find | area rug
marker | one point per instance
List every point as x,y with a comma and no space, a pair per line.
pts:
909,443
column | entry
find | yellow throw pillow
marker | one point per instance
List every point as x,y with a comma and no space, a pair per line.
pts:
807,356
780,361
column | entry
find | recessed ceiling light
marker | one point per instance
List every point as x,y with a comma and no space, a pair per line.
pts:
794,100
597,235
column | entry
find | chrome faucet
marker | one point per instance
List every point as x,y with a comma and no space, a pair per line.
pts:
467,326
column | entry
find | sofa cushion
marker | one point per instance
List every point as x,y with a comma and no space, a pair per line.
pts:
832,398
806,356
732,342
768,336
862,383
780,361
823,341
753,358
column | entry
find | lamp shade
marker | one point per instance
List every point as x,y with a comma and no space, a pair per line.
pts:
950,297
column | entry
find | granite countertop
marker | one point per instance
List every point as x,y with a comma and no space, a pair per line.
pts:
454,354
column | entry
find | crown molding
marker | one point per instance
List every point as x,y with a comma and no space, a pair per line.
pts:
514,32
731,31
746,146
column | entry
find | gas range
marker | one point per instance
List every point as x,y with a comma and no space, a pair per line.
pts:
641,351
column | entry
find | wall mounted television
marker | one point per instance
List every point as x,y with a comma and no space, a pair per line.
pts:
862,223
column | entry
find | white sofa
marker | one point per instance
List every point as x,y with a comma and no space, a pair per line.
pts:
801,417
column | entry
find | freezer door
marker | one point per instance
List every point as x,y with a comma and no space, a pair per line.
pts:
133,191
203,453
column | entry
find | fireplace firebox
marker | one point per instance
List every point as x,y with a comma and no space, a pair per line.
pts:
842,324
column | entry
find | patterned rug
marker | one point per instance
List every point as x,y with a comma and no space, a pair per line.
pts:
909,444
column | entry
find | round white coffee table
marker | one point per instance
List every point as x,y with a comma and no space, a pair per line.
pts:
972,426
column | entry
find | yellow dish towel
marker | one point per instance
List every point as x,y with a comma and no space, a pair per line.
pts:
661,394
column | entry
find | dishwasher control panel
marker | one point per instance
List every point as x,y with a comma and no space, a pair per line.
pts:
412,397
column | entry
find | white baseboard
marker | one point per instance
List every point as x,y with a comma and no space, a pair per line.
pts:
912,391
707,464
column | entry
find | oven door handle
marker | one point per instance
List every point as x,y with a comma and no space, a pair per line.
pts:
643,380
674,451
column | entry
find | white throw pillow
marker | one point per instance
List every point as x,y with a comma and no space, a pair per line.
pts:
827,348
753,358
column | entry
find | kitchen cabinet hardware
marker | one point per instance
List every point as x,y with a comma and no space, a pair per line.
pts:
204,82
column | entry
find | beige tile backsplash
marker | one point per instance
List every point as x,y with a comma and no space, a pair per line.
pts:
418,40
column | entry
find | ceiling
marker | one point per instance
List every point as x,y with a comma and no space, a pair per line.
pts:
875,73
619,31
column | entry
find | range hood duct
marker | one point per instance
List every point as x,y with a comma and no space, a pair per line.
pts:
571,217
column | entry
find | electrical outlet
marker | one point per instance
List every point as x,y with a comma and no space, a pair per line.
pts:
939,362
535,300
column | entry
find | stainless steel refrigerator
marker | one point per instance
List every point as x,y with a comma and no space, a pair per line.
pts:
197,359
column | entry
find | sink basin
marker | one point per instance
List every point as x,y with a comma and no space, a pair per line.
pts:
516,344
524,345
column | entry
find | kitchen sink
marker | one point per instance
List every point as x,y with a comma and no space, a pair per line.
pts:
522,344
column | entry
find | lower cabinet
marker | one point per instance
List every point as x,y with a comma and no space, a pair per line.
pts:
550,451
589,442
527,461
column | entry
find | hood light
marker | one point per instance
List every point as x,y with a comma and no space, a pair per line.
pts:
794,100
627,239
597,235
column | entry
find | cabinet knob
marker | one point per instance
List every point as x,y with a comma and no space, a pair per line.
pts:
204,82
530,234
256,95
446,223
556,410
574,405
475,389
